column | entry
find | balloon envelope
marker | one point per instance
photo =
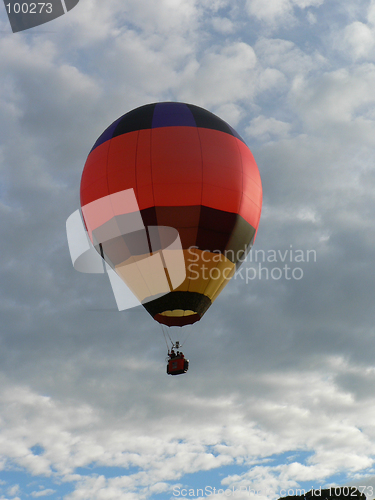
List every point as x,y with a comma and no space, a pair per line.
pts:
170,180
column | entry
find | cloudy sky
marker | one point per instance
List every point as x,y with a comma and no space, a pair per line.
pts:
280,391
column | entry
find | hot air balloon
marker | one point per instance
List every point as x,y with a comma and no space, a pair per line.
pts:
172,185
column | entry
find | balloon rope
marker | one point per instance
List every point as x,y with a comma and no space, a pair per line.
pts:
165,338
166,343
168,335
188,335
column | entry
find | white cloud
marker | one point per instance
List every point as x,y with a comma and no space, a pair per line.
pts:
164,16
343,96
288,58
14,490
43,493
223,75
74,435
231,113
371,13
265,128
269,11
359,38
223,25
278,10
311,17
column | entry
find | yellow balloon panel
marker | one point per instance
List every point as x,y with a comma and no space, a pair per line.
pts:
206,272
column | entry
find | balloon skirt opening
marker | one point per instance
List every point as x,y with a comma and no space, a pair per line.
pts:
177,321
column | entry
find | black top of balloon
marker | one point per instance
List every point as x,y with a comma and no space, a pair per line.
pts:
165,114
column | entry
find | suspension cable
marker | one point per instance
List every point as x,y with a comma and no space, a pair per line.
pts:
165,333
165,338
165,329
187,336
